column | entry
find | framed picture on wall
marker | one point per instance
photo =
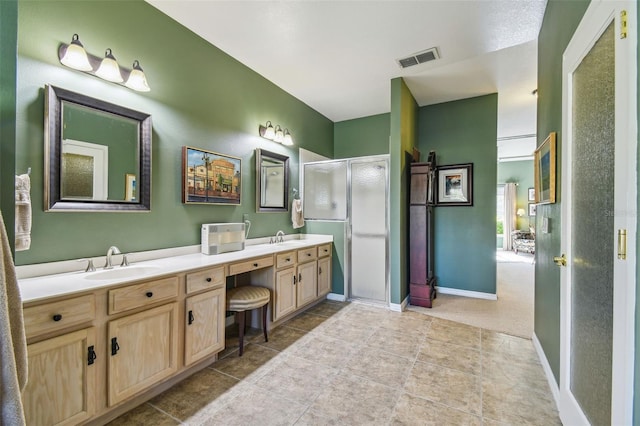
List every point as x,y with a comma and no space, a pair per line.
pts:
455,185
545,171
130,187
210,178
531,194
532,209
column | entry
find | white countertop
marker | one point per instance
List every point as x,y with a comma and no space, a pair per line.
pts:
63,284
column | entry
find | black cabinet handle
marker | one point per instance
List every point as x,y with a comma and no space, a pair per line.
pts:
319,270
288,259
309,254
91,355
294,280
191,318
299,278
255,265
149,294
208,279
114,346
57,317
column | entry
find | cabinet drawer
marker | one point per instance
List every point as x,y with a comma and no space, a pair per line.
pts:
324,250
285,259
209,278
135,296
307,254
250,265
53,316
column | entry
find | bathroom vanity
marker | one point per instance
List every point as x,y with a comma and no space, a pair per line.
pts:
101,343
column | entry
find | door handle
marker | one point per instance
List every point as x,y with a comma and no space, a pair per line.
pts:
560,261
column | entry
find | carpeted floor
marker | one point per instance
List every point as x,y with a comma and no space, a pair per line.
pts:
512,313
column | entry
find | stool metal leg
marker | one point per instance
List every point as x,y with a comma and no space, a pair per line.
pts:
264,322
241,331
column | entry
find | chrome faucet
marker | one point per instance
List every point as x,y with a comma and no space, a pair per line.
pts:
112,250
280,237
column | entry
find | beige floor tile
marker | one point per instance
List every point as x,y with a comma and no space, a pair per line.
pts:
407,322
448,355
280,338
403,344
317,347
194,393
297,379
411,410
255,361
306,321
144,415
456,333
452,388
365,314
328,308
256,406
310,418
380,366
345,329
355,400
505,344
515,404
515,371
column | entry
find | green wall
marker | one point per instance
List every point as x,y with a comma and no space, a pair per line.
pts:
465,131
361,136
520,172
561,19
199,97
8,46
402,140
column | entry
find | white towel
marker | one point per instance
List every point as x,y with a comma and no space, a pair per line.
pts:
13,344
296,214
23,212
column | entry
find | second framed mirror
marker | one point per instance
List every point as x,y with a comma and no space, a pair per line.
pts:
272,181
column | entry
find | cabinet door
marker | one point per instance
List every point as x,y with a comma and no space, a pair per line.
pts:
204,325
324,276
143,350
61,385
285,294
307,282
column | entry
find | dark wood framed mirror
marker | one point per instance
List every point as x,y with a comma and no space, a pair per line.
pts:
97,154
272,181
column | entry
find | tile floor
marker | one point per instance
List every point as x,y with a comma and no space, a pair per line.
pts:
354,364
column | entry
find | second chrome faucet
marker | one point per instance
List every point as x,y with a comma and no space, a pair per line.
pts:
115,250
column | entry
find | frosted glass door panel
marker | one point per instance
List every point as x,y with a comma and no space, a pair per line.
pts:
325,190
592,225
369,230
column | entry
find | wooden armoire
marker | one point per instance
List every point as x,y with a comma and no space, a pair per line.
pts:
422,198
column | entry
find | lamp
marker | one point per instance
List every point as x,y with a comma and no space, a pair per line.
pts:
288,140
137,80
279,134
109,69
267,131
520,212
75,56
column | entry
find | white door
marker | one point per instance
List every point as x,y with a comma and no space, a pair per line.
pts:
85,170
598,147
368,223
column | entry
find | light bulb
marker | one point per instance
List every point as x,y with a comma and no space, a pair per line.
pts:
109,69
137,80
75,56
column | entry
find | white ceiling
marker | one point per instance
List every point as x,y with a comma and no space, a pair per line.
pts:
339,56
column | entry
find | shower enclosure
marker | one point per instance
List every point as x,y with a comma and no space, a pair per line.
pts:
355,191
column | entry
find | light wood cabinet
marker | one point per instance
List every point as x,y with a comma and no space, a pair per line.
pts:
143,350
61,380
307,286
285,293
324,276
204,334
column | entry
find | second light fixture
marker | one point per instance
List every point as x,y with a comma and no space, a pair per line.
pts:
276,134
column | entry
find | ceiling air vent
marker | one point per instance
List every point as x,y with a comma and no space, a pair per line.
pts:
419,58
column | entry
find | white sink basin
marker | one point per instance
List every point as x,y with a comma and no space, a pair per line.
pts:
122,272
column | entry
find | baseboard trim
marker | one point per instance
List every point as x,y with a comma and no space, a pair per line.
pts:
467,293
399,307
336,297
555,390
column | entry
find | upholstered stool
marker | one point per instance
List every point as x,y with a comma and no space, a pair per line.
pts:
246,298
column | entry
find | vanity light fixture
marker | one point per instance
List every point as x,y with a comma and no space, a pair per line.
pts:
74,56
276,134
109,69
520,212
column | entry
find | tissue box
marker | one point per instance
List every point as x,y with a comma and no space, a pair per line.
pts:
219,238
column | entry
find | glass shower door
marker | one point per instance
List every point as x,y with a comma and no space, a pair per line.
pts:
369,230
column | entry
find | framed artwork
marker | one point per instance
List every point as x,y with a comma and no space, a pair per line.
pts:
531,194
532,209
545,171
130,187
210,178
455,185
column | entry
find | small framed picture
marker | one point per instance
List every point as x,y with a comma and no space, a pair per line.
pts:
455,185
545,170
532,209
532,194
130,187
209,177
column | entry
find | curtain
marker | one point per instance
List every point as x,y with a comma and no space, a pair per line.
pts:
509,214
